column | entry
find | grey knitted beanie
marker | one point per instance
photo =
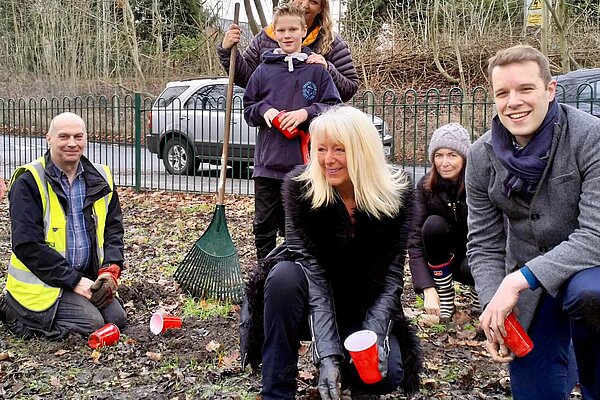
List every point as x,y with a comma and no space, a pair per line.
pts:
450,136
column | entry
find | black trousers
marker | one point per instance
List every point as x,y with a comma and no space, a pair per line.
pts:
286,323
268,214
438,244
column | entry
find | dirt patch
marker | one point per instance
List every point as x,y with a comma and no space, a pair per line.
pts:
201,360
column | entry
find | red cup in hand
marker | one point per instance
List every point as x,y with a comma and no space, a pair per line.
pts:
160,323
362,346
516,339
291,132
105,336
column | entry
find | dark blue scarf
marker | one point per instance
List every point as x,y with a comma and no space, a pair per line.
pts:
526,165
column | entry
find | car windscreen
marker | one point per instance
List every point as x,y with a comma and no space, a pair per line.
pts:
213,97
168,95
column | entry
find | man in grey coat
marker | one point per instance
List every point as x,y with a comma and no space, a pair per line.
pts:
533,196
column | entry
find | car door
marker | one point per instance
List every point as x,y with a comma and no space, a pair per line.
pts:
208,106
243,136
166,111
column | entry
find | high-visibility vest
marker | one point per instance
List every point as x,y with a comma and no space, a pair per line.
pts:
31,292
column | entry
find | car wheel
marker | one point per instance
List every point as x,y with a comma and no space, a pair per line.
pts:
178,157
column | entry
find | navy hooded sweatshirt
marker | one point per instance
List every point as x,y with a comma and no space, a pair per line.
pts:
308,86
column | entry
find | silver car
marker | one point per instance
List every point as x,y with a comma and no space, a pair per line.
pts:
186,125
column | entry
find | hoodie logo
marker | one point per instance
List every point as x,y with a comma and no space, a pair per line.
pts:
309,90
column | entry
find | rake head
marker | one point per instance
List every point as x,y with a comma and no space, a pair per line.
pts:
211,269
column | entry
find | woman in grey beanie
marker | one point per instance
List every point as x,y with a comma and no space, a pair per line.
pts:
438,239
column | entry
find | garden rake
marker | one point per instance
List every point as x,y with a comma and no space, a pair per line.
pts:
211,269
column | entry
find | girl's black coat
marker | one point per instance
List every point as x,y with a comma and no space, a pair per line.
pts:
447,205
354,272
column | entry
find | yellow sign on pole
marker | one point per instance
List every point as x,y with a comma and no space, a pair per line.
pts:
535,5
533,12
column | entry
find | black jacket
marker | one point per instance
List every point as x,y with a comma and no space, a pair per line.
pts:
27,224
340,64
447,205
354,273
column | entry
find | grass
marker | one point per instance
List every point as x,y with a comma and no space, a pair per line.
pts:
215,390
198,208
72,372
451,374
419,302
206,309
168,364
439,328
469,327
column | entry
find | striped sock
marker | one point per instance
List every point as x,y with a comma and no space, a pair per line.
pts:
445,289
442,277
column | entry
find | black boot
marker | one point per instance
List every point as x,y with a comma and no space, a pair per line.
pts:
360,395
7,315
471,294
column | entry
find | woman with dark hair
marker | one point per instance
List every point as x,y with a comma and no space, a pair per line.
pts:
438,241
347,220
328,49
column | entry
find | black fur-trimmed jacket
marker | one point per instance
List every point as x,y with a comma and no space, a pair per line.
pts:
354,273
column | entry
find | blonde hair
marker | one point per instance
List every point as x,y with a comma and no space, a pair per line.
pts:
326,23
324,20
290,10
378,187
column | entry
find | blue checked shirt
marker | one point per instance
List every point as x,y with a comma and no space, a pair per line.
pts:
78,241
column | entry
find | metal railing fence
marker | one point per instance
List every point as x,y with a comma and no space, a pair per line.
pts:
118,128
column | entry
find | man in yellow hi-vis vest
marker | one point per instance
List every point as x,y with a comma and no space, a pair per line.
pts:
67,241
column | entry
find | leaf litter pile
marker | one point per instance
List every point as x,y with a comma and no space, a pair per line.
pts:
201,360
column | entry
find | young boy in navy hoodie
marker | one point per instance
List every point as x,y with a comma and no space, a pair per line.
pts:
283,82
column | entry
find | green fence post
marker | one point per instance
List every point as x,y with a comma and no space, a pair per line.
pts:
138,141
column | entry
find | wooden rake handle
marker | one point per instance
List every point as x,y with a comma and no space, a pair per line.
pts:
228,107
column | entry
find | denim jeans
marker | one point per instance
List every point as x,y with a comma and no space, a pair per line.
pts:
571,320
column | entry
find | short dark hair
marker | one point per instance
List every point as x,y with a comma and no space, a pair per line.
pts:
519,54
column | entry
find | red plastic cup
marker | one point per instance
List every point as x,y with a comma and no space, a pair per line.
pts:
305,145
516,339
290,132
362,346
105,336
160,323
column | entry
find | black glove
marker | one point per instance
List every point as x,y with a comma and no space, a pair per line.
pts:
383,350
103,291
329,378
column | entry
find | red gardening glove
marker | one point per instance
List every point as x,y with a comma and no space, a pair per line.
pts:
105,287
113,270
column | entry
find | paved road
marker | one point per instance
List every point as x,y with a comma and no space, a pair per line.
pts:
15,151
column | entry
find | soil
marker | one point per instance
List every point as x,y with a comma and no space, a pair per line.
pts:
201,360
